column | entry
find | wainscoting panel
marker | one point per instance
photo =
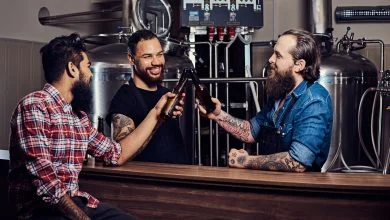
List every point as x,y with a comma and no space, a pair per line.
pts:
20,73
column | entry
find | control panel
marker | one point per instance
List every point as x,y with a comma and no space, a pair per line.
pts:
224,13
362,14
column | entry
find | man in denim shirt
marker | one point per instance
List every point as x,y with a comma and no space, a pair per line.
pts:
294,128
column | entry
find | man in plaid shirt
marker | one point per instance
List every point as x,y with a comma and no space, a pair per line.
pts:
51,135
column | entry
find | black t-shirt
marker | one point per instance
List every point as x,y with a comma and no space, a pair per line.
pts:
166,145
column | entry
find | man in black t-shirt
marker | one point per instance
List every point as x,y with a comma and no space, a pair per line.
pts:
133,101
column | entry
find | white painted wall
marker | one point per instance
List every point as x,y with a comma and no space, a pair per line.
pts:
19,18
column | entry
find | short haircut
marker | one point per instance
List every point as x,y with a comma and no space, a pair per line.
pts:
58,53
137,37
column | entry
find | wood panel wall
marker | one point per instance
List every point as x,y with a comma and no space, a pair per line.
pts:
20,73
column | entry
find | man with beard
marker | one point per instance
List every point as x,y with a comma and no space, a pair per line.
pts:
294,128
134,100
51,135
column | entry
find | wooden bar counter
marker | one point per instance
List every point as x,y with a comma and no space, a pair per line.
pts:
167,191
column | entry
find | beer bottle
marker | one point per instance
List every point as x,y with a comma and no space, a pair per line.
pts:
100,127
202,93
169,108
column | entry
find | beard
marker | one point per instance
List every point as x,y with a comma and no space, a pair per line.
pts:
82,96
149,80
280,83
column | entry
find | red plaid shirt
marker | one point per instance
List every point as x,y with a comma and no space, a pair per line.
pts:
47,147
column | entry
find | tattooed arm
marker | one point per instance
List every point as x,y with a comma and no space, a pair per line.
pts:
239,128
123,126
276,162
70,209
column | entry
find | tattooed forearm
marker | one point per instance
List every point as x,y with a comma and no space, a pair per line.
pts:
70,209
277,162
240,129
122,126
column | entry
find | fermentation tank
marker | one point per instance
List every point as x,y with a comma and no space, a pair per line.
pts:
111,69
346,75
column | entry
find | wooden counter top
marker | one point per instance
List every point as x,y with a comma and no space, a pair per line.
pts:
360,183
168,191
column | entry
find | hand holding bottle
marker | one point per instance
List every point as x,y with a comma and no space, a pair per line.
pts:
173,101
170,105
202,94
213,114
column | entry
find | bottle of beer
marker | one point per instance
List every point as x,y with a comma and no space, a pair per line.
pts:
100,129
202,93
100,126
169,108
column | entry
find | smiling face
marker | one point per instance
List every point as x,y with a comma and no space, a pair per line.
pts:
281,60
148,61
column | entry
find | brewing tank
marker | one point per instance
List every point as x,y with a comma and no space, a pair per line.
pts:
111,69
346,76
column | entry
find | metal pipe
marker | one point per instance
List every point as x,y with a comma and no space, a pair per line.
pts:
61,19
320,21
382,52
361,42
169,12
387,160
379,136
380,114
216,44
263,43
210,86
137,19
227,89
224,80
125,13
80,21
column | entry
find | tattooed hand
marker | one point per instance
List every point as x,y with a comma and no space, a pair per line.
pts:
238,158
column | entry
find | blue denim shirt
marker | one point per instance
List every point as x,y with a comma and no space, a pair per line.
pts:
307,127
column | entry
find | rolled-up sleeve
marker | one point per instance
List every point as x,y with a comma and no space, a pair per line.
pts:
102,146
311,128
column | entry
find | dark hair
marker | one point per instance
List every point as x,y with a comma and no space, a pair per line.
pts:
308,49
58,53
137,37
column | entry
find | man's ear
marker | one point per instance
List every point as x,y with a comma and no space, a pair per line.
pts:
299,65
130,58
72,70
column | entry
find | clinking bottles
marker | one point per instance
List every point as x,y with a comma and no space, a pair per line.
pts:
169,108
201,92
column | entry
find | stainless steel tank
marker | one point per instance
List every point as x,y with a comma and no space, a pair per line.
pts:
346,76
110,69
